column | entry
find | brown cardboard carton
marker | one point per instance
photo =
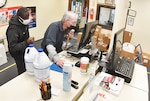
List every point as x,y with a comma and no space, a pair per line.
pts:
98,29
96,34
146,59
128,55
102,47
103,43
101,35
127,36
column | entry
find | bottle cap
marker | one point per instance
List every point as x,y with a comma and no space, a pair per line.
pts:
31,45
40,50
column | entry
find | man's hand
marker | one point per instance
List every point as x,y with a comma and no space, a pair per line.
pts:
30,40
60,63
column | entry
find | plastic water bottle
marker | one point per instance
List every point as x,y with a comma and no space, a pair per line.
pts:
91,77
67,74
41,66
91,74
29,56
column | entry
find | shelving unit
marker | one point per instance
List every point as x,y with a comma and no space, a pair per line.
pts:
81,8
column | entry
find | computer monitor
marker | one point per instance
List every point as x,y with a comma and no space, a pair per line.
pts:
114,54
85,39
106,16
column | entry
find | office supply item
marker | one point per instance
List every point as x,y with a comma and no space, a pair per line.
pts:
110,83
67,74
85,38
74,86
74,82
45,89
55,67
41,66
77,64
114,58
96,98
29,56
55,91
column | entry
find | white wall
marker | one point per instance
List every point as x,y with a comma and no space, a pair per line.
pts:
141,27
120,18
47,11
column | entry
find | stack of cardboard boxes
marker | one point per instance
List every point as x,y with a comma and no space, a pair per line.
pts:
102,40
145,57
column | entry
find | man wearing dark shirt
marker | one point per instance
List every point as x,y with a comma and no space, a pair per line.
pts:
54,35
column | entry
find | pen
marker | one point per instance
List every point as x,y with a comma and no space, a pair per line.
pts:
45,88
74,82
74,86
48,86
95,97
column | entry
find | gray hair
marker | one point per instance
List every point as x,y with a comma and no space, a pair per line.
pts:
69,15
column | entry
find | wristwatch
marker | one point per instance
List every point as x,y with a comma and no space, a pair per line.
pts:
2,3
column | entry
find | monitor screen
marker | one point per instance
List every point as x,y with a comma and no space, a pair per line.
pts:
85,39
114,54
106,16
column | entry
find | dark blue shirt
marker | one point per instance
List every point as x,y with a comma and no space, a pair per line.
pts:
54,35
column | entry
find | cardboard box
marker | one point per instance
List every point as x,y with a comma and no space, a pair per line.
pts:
128,55
146,59
127,36
103,43
102,47
101,35
98,29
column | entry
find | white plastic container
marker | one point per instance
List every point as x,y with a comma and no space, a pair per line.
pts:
29,56
67,74
41,66
3,57
84,64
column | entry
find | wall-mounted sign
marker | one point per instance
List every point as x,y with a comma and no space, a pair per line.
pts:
6,14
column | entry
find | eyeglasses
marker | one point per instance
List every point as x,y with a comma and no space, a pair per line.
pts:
72,22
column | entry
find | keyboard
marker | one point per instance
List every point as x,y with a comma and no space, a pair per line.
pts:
125,68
